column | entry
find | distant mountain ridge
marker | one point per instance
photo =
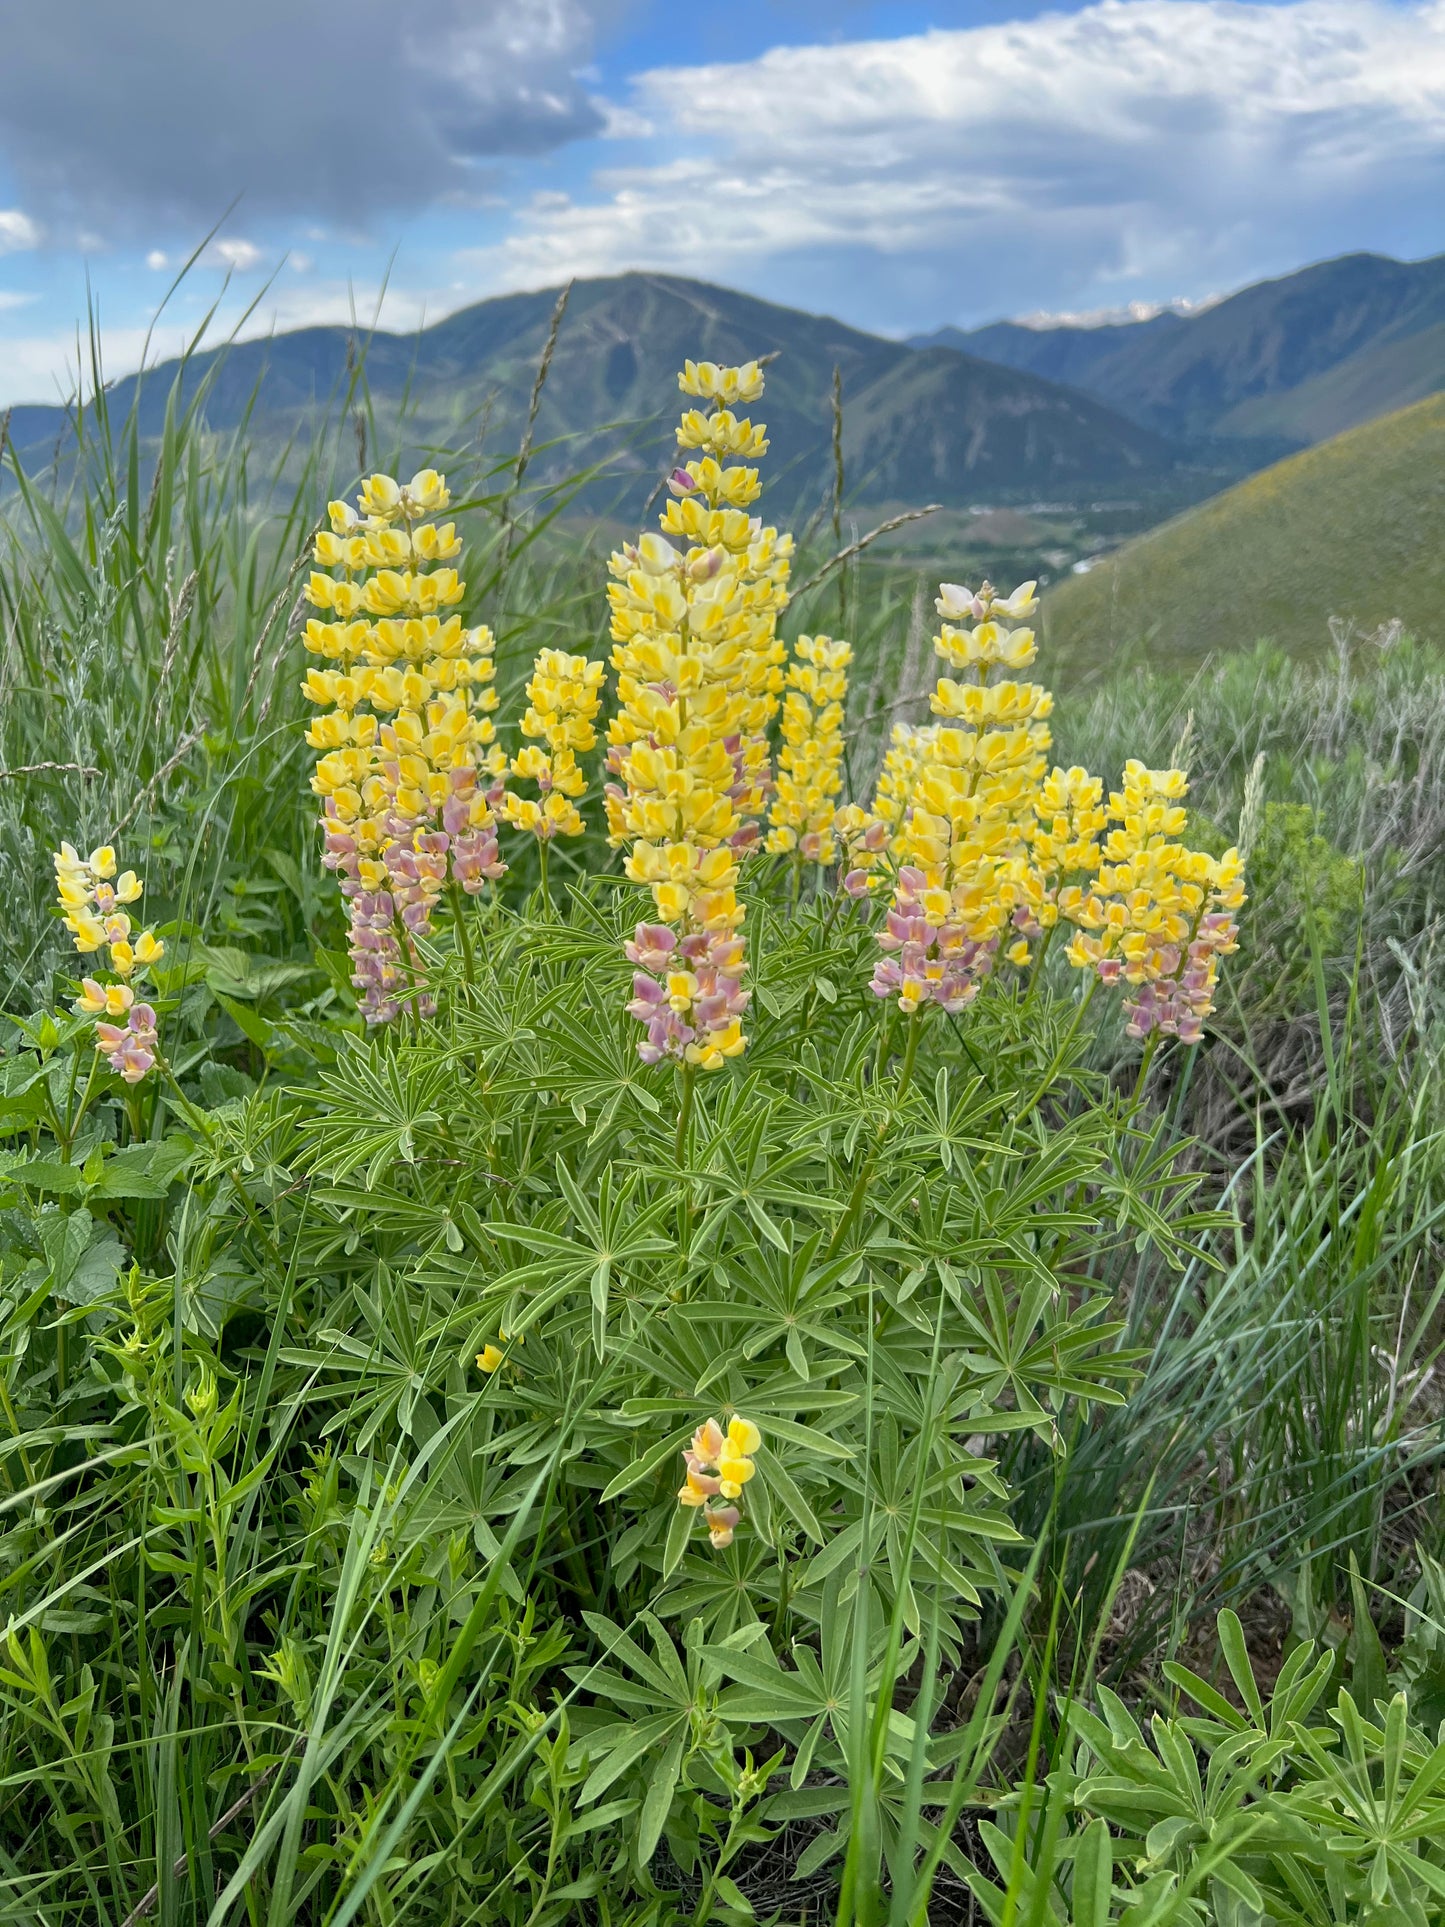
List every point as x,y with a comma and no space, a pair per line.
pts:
1294,360
938,425
1172,407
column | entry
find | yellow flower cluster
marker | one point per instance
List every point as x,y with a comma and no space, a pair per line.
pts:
810,763
563,698
1157,917
406,729
719,1465
907,754
966,812
709,493
697,660
92,900
1070,818
869,835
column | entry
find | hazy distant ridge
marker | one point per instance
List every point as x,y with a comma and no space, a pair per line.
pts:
937,425
1295,359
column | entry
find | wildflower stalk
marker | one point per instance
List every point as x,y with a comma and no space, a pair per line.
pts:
464,936
1062,1052
1038,970
74,1119
860,1183
1150,1046
682,1155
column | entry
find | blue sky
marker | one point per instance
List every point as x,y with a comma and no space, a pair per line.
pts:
900,163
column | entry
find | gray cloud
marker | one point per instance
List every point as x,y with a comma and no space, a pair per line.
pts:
115,116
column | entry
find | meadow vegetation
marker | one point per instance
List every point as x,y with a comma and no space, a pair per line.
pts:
948,1429
1354,527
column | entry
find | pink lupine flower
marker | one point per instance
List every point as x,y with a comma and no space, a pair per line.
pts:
130,1049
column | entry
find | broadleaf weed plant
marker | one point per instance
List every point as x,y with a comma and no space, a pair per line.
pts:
519,1413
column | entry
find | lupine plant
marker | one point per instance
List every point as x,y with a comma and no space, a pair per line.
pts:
542,1392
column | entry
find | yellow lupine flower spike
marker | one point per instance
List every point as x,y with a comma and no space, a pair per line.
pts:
407,759
563,696
1157,917
961,795
90,904
699,676
810,765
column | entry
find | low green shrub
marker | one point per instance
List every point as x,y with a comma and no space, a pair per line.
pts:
1250,1811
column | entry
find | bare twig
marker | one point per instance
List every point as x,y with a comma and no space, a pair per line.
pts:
233,1812
838,493
41,769
279,602
837,453
524,453
358,418
180,608
177,755
863,542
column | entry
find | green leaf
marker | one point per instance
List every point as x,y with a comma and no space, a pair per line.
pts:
643,1467
678,1531
1236,1658
94,1276
41,1174
1093,1876
251,1024
601,1277
144,1170
662,1784
1367,1656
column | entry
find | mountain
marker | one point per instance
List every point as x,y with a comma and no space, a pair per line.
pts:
939,425
1354,528
1291,360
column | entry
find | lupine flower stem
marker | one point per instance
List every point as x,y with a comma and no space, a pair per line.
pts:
865,1173
542,859
73,1121
1038,967
464,936
1150,1045
682,1154
1062,1052
200,1122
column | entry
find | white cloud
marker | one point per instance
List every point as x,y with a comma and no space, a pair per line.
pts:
17,231
41,367
158,259
237,254
10,301
1128,146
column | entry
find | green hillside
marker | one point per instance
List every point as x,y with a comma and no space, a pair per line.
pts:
1387,376
1354,528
